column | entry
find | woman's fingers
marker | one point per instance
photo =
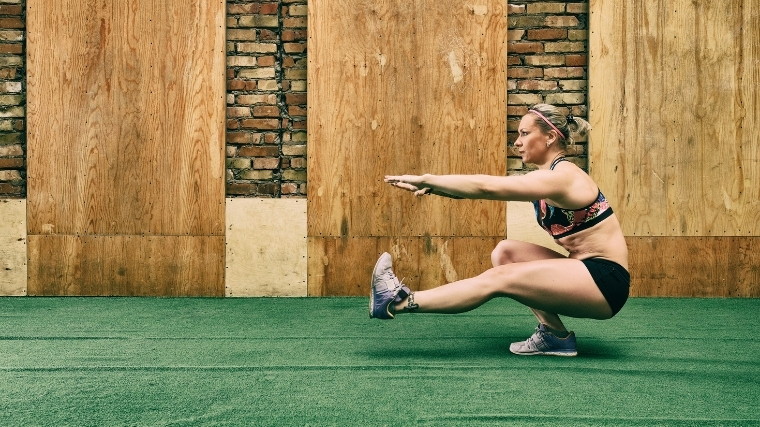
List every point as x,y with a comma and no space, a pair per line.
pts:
411,179
404,186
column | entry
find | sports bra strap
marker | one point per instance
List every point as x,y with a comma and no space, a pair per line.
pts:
560,159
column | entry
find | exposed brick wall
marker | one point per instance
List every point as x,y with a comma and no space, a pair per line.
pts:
266,98
12,99
547,62
266,87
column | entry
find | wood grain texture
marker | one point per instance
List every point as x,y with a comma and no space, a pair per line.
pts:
12,247
343,266
404,87
126,147
126,117
126,265
675,108
695,266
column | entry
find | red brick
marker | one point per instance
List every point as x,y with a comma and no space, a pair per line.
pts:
243,9
11,23
299,124
517,110
576,60
266,111
269,9
266,61
11,10
13,163
239,137
295,110
295,99
271,138
11,48
242,189
537,85
267,35
259,151
525,73
564,72
294,47
289,188
8,73
547,34
561,21
525,47
264,124
268,188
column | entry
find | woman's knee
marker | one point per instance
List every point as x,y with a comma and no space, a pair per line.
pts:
504,253
499,280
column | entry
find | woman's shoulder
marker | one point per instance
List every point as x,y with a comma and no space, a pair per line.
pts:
578,189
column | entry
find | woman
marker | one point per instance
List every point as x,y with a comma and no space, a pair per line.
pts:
591,282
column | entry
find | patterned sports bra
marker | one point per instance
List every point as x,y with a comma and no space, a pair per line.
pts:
560,222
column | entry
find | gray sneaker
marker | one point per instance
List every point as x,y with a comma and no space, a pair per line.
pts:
543,342
386,289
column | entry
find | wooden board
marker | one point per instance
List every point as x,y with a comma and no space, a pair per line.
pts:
12,247
126,124
126,265
404,87
400,87
695,266
266,247
343,266
126,117
674,103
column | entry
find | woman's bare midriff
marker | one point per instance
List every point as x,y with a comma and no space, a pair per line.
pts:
604,240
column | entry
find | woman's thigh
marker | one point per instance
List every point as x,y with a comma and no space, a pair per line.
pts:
511,251
562,285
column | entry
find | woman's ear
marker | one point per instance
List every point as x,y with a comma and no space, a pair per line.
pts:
551,139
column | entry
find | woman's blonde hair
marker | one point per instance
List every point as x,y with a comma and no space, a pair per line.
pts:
550,118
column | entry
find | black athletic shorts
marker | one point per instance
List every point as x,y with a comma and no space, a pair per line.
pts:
612,279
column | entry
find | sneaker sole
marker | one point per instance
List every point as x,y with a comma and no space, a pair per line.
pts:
548,353
372,292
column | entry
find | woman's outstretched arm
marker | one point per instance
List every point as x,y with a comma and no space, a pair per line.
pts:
531,186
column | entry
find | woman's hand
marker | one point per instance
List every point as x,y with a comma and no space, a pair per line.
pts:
413,183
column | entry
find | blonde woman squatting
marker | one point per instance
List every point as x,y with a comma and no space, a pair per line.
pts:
592,281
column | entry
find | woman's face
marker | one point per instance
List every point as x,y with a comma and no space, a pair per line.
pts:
531,141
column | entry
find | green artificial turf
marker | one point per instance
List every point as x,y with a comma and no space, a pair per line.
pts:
321,361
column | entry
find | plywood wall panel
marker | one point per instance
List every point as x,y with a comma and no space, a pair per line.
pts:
695,266
126,123
126,265
399,87
404,87
126,117
672,95
12,247
343,266
266,247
